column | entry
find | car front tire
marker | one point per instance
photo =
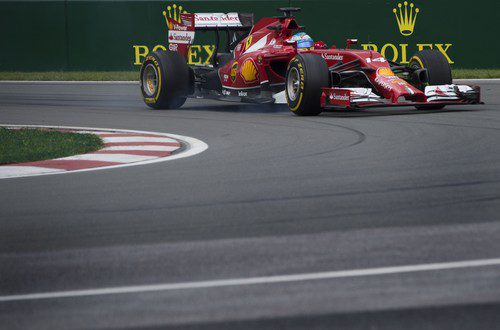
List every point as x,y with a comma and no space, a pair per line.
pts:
306,75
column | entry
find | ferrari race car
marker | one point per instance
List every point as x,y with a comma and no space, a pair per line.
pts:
273,61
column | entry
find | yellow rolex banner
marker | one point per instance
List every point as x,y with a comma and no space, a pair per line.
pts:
117,35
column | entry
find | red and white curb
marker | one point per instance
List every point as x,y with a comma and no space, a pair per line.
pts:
121,148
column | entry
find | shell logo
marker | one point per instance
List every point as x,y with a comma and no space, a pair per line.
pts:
385,72
249,71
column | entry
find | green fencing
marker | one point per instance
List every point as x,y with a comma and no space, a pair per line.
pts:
116,35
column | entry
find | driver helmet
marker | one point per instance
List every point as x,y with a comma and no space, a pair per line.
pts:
304,41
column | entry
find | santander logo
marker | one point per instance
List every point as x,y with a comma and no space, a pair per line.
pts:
340,97
228,18
206,18
332,57
216,19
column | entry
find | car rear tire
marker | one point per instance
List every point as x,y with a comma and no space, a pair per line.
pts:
438,71
164,80
306,75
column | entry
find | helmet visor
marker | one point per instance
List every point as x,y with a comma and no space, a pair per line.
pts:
305,43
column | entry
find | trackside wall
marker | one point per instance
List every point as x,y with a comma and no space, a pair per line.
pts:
116,35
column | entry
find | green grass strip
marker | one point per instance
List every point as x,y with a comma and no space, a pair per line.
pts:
134,75
27,145
71,75
476,73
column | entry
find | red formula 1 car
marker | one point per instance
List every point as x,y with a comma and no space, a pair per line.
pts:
273,61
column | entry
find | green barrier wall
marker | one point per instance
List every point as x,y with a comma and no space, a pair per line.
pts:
115,35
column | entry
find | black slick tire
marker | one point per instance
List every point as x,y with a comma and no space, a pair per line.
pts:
306,75
438,71
164,80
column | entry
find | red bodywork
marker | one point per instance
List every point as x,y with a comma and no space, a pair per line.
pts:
275,48
260,62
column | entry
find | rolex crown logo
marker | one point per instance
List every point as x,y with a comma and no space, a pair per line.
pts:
406,18
174,15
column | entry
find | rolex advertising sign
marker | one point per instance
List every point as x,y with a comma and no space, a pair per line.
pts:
398,29
197,54
406,18
117,35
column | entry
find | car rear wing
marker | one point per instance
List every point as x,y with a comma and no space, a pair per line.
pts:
182,29
221,21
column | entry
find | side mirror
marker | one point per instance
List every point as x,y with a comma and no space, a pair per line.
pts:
350,42
320,45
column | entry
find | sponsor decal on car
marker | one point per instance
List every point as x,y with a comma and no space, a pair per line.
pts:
217,19
384,83
256,45
340,97
234,69
388,81
385,72
179,27
332,57
242,94
249,71
181,37
409,90
378,59
248,43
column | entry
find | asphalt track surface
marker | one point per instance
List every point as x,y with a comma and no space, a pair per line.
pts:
274,194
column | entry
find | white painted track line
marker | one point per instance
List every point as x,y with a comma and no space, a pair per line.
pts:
96,132
149,148
255,280
137,139
14,171
115,158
